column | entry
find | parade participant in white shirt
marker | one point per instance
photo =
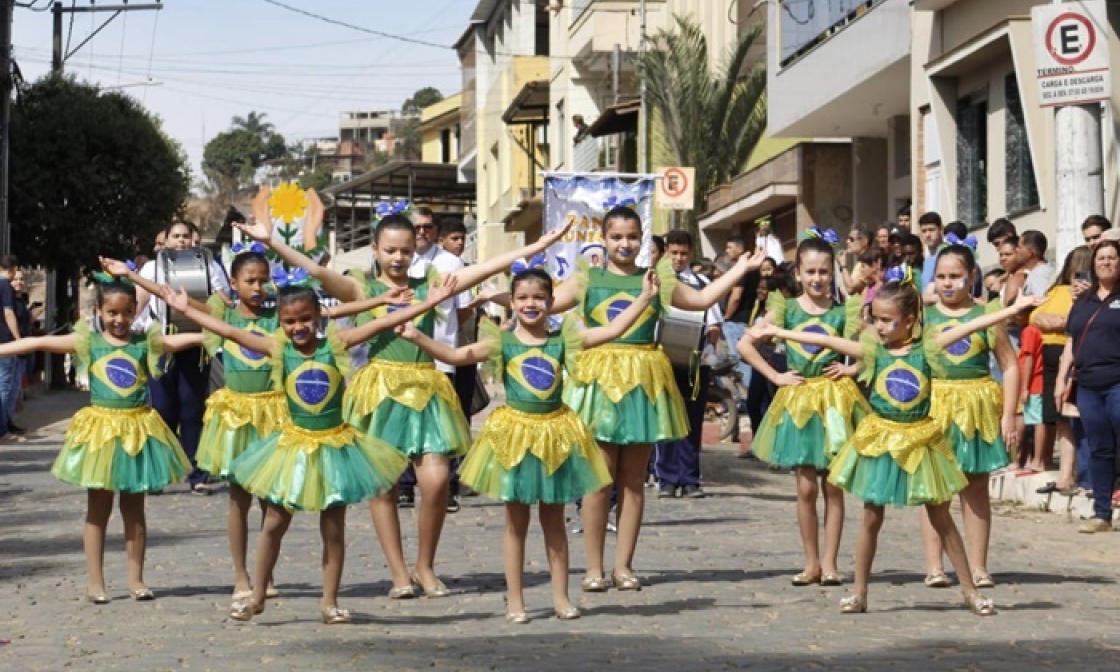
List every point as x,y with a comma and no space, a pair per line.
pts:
678,462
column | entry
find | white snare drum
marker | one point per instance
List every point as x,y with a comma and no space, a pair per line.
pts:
681,332
188,270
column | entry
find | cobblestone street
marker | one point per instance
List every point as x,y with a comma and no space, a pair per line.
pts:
718,594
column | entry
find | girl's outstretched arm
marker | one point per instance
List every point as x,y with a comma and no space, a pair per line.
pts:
687,298
835,343
246,339
336,284
748,350
1023,302
462,356
395,296
651,285
436,295
120,269
469,276
59,345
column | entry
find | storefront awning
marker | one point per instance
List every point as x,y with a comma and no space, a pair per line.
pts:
620,118
530,105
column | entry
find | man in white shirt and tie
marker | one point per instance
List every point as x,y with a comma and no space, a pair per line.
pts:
677,463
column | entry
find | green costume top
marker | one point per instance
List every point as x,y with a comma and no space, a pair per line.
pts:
118,374
967,358
533,380
313,385
387,345
900,384
608,294
810,360
246,371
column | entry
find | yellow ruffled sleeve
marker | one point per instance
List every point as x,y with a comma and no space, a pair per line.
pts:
490,335
668,278
339,350
853,317
433,278
935,355
573,343
869,344
991,332
363,282
776,304
157,359
279,343
82,335
212,342
579,280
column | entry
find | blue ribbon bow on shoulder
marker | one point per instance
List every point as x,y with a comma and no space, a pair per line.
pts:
298,277
537,261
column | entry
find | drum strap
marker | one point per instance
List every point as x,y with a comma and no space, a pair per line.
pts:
694,359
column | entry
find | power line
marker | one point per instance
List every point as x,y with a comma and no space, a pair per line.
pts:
351,26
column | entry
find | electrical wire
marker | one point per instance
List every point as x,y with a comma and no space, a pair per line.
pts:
70,28
151,55
120,57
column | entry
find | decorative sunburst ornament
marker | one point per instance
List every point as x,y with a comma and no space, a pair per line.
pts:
295,217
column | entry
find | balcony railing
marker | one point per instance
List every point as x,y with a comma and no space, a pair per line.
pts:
579,8
804,24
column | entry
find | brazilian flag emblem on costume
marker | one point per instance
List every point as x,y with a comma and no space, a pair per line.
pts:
813,326
960,351
611,307
902,385
120,372
536,372
250,358
312,385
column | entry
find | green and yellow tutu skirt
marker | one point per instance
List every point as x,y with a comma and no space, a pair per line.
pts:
969,413
900,463
120,449
312,470
530,458
627,395
412,407
234,421
808,424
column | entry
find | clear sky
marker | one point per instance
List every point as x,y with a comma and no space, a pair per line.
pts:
216,59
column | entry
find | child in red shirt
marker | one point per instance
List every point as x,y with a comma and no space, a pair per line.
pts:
1030,375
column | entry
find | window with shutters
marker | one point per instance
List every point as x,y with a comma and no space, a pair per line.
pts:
1021,187
972,161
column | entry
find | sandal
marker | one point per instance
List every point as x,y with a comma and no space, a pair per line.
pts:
980,605
142,594
805,579
595,584
245,611
408,592
625,581
853,604
242,595
335,616
569,614
98,598
831,579
937,580
983,580
437,589
517,618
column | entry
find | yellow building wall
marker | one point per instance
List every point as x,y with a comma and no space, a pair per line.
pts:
431,149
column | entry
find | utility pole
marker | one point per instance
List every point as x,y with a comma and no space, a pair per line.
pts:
6,9
643,129
1079,169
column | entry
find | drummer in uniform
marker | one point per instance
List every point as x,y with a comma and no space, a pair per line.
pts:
179,396
677,463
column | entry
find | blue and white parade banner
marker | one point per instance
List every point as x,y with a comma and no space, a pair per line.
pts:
583,199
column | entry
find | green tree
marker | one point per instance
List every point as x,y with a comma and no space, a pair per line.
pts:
243,148
91,173
708,119
429,95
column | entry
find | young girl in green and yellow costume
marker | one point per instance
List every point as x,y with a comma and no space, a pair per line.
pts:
534,449
625,390
817,406
975,411
900,455
399,397
117,444
316,461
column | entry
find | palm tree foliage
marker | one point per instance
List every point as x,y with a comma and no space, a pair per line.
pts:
710,119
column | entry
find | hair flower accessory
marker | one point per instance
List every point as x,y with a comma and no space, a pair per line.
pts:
297,277
615,201
901,274
255,247
969,242
537,261
827,235
385,208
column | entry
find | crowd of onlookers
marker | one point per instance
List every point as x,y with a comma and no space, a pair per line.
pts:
19,320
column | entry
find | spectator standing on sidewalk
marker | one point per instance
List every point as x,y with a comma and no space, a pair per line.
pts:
9,331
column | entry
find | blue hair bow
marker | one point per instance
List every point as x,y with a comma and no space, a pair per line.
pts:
255,247
969,242
537,261
901,274
615,201
827,235
297,277
385,208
